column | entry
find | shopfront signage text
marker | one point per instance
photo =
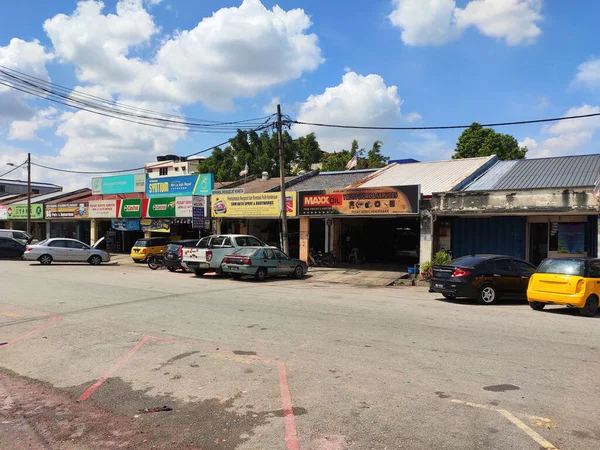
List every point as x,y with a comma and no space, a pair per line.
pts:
67,211
119,184
125,224
131,207
361,201
103,209
253,205
228,191
3,213
18,212
184,185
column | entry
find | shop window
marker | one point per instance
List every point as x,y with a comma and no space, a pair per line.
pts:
149,170
567,238
163,171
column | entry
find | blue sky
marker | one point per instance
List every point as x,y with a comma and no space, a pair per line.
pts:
382,62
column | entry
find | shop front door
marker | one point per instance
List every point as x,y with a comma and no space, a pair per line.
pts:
538,242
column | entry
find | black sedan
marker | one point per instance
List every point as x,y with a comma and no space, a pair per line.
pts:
485,278
11,248
175,253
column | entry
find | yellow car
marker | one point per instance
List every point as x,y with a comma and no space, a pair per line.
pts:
571,282
145,247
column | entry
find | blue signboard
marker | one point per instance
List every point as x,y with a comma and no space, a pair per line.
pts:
180,186
119,184
126,224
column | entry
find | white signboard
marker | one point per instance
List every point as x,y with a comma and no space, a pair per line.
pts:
103,209
235,191
3,213
183,206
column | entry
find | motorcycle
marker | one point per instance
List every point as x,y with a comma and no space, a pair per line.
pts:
322,259
156,262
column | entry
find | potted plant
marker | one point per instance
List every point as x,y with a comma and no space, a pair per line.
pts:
426,270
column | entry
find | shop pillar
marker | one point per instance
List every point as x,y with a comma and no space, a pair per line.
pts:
218,231
304,238
426,247
336,238
93,231
147,234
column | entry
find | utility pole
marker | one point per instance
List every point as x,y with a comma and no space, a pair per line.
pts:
284,223
29,193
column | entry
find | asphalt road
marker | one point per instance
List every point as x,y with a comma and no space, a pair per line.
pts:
90,352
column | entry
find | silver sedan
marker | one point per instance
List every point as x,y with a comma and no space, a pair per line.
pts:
64,250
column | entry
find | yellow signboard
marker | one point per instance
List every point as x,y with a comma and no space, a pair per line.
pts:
266,204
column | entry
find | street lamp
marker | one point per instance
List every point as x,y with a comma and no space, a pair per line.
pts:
28,190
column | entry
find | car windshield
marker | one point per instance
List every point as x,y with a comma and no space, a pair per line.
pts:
246,252
173,247
141,243
42,242
563,267
467,261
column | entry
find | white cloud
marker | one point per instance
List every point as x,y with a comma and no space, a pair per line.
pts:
357,100
25,130
588,73
576,125
347,69
435,22
226,56
271,107
412,117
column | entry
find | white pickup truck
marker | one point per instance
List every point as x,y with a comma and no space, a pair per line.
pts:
209,252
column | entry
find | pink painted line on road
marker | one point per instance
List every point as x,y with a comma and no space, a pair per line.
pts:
94,387
38,313
35,330
291,436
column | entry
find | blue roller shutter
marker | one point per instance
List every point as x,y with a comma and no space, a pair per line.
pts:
497,235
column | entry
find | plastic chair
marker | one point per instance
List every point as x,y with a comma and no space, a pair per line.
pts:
354,256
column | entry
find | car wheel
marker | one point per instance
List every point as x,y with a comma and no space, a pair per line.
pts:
236,276
298,272
45,260
591,307
171,269
199,273
95,260
537,306
261,274
487,295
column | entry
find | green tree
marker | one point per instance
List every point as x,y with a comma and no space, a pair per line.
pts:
375,160
478,141
335,162
308,151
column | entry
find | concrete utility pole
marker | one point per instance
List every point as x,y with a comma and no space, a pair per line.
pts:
284,223
29,193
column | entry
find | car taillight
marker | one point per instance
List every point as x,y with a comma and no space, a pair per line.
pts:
209,255
226,260
460,273
143,250
580,286
246,261
28,249
180,252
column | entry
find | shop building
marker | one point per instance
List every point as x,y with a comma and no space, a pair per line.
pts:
20,187
68,216
172,165
531,208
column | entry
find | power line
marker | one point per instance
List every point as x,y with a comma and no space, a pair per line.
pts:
12,170
446,127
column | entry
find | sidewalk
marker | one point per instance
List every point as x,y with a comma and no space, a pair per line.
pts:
359,275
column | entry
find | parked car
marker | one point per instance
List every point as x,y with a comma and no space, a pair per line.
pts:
64,250
260,263
485,278
145,247
21,236
572,282
208,254
174,253
11,248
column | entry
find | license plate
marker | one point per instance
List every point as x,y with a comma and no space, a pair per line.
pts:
439,285
234,268
204,265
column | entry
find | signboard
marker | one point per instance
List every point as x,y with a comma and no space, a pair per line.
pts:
119,184
252,205
103,209
125,224
3,213
180,186
361,201
17,212
159,207
198,205
228,191
131,207
156,225
67,211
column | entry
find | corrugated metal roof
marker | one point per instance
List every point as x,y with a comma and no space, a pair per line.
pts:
47,198
433,176
540,173
259,185
331,180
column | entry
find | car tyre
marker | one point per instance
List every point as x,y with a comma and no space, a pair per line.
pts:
591,307
487,295
171,269
298,272
261,274
199,273
95,260
45,260
537,306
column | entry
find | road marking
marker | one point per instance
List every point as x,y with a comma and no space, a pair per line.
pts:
515,421
53,320
7,314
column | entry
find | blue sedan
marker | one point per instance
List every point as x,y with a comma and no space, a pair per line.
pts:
260,263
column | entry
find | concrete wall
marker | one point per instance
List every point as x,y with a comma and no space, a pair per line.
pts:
546,201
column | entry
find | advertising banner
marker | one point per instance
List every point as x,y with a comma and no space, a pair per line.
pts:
125,224
103,209
119,184
18,212
180,186
67,211
361,201
3,213
156,225
131,207
253,205
159,207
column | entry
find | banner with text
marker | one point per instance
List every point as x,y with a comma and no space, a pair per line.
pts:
361,201
119,184
19,212
253,205
102,209
180,186
67,211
